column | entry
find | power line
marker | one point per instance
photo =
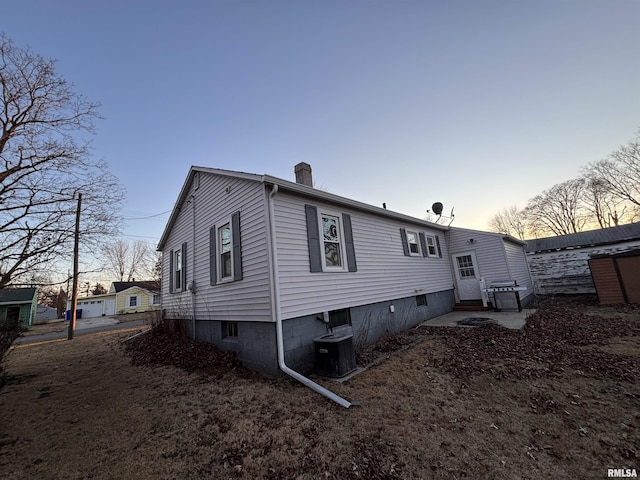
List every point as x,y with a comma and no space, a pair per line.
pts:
150,216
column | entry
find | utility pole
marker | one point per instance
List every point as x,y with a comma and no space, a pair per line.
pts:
74,293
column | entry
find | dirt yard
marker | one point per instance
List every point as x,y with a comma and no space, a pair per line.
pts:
558,399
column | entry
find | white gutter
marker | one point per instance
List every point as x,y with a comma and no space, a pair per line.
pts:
278,314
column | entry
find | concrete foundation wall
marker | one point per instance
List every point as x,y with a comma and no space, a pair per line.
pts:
368,324
256,346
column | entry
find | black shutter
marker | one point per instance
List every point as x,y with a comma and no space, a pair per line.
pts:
237,246
184,266
405,242
348,242
171,272
313,238
423,244
438,245
213,274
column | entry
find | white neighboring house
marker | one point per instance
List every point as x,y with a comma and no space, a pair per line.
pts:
263,266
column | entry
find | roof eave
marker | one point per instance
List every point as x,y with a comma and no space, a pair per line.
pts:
293,187
184,192
314,193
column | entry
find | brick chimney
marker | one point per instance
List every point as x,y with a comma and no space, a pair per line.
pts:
303,174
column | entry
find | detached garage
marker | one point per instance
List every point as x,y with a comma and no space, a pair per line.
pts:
617,277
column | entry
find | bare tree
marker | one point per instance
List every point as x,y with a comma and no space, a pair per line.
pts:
618,177
606,208
44,163
558,210
511,221
126,261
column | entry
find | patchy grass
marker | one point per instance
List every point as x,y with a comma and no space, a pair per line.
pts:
560,398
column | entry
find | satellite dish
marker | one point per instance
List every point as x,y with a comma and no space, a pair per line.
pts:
437,208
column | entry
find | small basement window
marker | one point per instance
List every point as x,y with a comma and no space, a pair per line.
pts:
421,300
229,329
339,317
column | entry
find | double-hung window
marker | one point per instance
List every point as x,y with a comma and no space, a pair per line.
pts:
419,244
177,282
431,245
178,269
225,247
330,241
225,253
331,236
412,241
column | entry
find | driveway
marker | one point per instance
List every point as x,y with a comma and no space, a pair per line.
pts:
59,330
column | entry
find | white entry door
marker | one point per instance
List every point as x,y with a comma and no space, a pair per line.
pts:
467,275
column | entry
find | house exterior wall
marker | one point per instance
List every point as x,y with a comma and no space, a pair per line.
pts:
383,273
255,344
488,249
5,320
211,202
26,316
237,313
45,314
519,268
380,279
368,324
94,306
499,259
144,302
567,271
256,341
33,310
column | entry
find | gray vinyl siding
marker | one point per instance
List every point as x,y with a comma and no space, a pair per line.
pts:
177,304
498,258
216,200
383,271
489,251
518,266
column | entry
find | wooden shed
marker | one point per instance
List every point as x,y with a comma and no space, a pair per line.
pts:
617,277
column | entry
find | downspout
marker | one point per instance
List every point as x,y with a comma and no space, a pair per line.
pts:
278,314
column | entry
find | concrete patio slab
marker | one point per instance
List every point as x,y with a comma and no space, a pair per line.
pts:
509,319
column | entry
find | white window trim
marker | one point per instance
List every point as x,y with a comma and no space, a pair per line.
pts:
219,276
128,301
434,244
177,278
418,253
152,303
343,248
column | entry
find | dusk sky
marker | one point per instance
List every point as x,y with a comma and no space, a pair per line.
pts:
476,104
